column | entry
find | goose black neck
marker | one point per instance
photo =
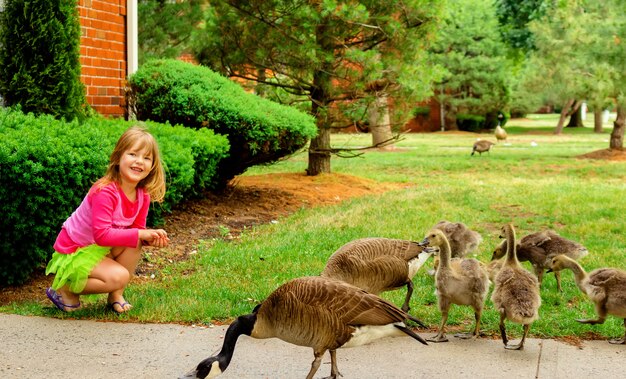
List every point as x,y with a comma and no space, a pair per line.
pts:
242,325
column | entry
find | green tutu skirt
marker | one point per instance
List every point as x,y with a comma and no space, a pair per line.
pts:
74,269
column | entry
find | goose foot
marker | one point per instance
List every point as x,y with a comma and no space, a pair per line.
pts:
465,336
438,338
590,321
618,341
514,347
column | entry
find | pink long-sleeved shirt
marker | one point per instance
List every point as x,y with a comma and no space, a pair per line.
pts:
105,217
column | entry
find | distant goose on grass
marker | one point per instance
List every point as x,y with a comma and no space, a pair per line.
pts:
481,146
500,133
377,265
321,313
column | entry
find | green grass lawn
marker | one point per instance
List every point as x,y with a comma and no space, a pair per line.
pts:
535,181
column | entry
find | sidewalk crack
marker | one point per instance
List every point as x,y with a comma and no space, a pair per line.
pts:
539,359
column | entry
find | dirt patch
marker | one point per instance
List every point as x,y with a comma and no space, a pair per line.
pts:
249,201
606,154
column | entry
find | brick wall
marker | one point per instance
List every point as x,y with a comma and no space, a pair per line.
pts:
103,54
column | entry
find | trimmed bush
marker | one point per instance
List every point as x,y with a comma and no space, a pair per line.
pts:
470,122
259,130
47,167
39,57
421,111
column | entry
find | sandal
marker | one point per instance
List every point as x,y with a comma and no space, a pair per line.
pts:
121,305
57,300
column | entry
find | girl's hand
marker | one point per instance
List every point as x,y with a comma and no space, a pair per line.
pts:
154,237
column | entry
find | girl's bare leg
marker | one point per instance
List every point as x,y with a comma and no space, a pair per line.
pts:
127,258
108,276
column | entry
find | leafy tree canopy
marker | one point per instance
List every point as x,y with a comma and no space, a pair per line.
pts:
514,16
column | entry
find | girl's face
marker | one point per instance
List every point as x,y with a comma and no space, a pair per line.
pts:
135,164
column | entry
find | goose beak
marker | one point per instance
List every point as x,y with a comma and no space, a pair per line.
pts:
189,375
424,242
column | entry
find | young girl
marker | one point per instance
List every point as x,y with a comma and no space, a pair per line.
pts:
99,245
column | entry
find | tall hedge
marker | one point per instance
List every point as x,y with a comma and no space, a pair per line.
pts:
39,57
259,131
47,166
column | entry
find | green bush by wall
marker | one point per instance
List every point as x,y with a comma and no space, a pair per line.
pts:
47,167
259,131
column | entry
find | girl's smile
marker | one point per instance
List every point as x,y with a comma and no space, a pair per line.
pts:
135,165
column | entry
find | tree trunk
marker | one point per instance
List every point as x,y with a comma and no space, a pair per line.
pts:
319,156
564,113
576,119
380,124
597,120
617,135
319,148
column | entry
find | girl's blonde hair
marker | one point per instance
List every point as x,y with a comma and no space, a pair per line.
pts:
154,183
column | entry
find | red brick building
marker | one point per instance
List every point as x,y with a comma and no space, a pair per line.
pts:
108,52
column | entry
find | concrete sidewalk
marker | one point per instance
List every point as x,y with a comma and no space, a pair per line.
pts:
38,347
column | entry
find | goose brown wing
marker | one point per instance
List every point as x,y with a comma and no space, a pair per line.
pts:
604,277
536,239
321,312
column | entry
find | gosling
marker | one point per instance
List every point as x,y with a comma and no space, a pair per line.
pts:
458,281
539,248
606,287
516,292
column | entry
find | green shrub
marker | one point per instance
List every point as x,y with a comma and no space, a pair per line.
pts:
421,111
470,122
259,130
39,57
47,167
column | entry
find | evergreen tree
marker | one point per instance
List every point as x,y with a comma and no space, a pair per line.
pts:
470,48
39,57
166,27
338,57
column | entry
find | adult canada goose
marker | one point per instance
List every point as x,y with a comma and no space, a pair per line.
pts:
481,146
458,281
500,133
539,248
606,287
377,265
322,313
516,292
